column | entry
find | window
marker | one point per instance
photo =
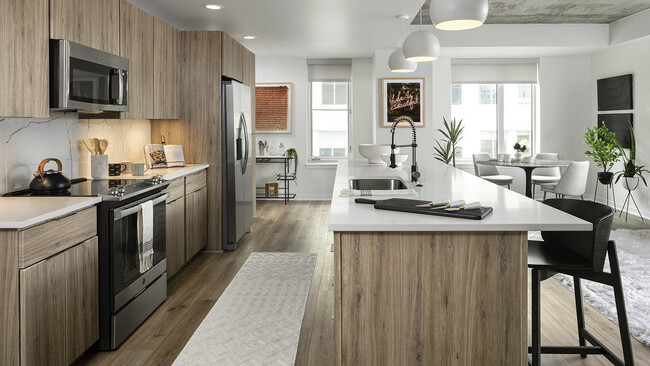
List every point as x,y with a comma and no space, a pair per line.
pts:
456,94
488,94
495,116
329,119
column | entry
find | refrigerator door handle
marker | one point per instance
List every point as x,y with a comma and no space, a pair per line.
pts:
244,127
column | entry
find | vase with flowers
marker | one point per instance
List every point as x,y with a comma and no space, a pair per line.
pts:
520,148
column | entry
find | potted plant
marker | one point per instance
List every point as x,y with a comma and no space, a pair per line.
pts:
449,149
631,172
520,148
605,150
292,153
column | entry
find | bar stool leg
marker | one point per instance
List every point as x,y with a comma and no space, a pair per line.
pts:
620,305
536,351
577,289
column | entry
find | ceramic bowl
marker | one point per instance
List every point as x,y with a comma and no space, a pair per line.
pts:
373,152
399,158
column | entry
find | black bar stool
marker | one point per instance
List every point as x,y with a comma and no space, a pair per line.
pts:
580,254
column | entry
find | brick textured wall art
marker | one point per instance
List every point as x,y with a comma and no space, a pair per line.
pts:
273,108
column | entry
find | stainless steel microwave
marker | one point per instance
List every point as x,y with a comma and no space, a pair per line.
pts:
83,78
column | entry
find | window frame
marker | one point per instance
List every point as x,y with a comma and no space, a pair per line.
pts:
500,117
310,134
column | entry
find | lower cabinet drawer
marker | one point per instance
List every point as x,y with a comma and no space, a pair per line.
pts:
44,240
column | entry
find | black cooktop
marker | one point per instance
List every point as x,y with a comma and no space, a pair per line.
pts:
109,189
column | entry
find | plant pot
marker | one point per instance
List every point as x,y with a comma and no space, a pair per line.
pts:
519,155
630,183
605,177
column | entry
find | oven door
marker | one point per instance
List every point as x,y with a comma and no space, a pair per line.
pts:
126,280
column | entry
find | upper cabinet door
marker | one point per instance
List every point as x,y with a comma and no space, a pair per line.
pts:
24,60
166,71
136,44
231,57
248,67
93,23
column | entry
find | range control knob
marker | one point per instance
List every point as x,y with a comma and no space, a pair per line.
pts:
157,179
120,190
112,191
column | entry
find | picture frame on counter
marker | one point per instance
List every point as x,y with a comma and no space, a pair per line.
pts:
402,97
273,107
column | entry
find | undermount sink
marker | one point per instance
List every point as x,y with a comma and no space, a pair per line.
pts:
384,184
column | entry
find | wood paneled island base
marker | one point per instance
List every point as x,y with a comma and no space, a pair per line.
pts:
430,298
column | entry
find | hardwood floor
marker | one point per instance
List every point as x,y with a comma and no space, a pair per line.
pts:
301,226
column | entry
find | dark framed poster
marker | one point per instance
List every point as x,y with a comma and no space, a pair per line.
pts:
617,123
615,93
402,97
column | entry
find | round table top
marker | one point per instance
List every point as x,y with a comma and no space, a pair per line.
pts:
532,164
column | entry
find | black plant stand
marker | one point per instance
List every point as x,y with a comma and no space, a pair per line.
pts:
609,186
629,198
285,177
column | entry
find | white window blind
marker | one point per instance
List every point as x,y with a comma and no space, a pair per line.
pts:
481,71
329,69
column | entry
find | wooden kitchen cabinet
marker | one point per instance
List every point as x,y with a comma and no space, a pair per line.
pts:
136,44
196,214
166,71
231,57
93,23
175,234
59,306
24,62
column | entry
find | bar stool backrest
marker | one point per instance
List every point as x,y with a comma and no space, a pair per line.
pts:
591,245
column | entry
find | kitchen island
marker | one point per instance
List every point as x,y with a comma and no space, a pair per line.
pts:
427,290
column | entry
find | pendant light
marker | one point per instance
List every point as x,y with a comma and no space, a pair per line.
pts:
421,46
458,14
396,61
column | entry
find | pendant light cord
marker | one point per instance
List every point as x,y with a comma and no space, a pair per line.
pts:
421,14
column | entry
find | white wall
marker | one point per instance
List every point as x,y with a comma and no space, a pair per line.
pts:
24,142
629,59
314,182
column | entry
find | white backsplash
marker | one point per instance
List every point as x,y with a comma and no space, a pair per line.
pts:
24,142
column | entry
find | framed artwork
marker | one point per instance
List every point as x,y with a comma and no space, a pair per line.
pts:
617,123
615,93
273,108
402,97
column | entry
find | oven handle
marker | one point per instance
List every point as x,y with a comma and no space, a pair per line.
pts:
130,211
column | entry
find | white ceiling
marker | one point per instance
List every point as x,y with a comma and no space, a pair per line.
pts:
326,28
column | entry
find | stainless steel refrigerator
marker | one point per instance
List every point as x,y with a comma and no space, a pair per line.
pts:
237,163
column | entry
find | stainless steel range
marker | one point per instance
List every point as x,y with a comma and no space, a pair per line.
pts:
127,293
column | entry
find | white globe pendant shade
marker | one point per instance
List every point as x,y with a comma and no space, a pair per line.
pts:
397,62
458,14
421,46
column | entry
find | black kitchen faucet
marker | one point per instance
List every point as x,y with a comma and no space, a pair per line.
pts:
415,174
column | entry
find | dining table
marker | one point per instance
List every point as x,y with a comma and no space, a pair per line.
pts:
528,168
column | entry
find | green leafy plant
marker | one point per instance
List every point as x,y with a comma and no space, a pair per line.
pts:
292,153
448,149
630,169
604,147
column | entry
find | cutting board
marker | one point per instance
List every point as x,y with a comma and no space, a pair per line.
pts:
407,205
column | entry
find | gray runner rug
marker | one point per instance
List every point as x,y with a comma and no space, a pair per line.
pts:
257,319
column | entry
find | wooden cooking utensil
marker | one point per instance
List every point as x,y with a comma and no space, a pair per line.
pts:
103,144
87,145
96,144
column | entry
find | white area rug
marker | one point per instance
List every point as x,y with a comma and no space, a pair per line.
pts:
257,319
633,248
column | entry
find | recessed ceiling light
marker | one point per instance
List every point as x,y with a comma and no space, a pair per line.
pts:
214,7
249,37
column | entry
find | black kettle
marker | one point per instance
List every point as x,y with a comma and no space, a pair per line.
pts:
49,180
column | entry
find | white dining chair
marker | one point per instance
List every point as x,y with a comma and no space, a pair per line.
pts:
488,172
572,183
545,175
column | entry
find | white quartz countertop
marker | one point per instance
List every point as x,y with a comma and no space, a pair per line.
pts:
512,211
167,173
20,212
